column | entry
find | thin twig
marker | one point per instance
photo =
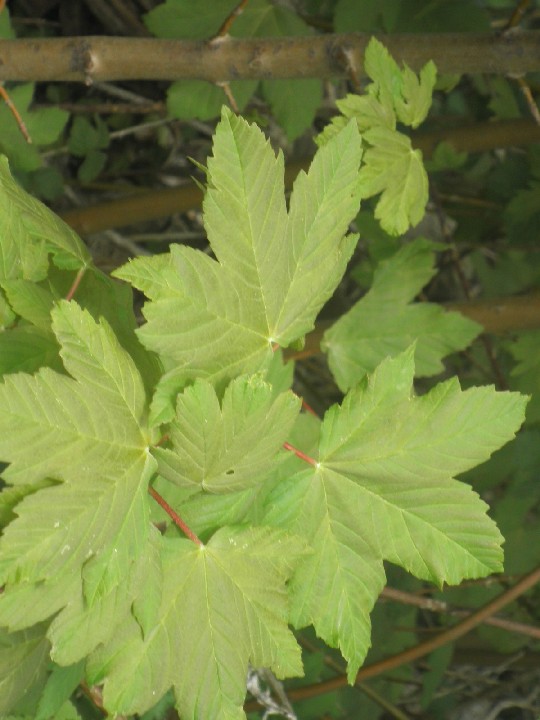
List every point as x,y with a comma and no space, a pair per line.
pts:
516,16
226,87
13,110
352,69
531,103
188,532
229,20
440,606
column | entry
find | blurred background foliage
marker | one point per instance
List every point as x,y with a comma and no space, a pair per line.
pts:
94,147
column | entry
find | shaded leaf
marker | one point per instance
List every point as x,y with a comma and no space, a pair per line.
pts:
385,321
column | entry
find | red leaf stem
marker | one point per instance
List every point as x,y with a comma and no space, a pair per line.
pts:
308,408
300,454
177,520
78,277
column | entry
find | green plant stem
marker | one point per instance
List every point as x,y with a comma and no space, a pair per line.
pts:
188,532
426,647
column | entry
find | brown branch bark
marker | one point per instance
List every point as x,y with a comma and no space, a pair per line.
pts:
90,59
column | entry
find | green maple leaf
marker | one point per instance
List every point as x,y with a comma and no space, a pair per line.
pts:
391,167
275,269
227,448
223,605
416,94
407,93
382,489
87,432
386,322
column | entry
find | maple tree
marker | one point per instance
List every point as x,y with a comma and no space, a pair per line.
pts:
267,519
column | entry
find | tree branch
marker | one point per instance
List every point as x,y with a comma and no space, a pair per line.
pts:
89,59
151,204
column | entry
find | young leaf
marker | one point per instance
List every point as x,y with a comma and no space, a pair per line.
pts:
390,165
385,321
85,431
224,605
383,489
409,94
228,448
274,270
392,168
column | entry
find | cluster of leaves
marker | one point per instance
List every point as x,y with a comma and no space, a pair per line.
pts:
194,408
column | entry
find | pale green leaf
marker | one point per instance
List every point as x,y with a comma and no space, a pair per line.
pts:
25,604
89,620
385,321
416,91
92,354
31,301
382,488
274,271
384,72
30,231
73,433
196,319
316,249
84,430
406,92
392,168
204,512
224,605
229,446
